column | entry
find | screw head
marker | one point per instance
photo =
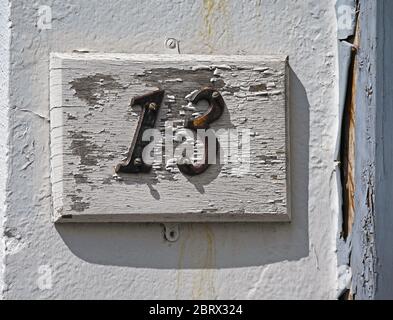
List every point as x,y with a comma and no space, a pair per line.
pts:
184,161
171,43
215,95
138,162
153,106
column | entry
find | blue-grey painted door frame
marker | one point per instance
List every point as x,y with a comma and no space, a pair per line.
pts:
372,237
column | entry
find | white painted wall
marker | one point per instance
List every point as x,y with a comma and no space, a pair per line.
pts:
4,82
253,261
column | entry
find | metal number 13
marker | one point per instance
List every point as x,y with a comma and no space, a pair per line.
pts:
151,104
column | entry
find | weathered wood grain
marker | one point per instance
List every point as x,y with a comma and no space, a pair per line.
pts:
92,125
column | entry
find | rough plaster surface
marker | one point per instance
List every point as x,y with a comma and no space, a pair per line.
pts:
4,82
269,261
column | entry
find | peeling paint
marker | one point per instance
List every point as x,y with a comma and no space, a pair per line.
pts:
91,88
77,204
363,258
258,87
83,146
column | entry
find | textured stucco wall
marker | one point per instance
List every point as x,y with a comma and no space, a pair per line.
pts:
296,260
4,82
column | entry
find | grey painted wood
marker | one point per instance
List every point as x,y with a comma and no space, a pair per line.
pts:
92,125
362,242
384,152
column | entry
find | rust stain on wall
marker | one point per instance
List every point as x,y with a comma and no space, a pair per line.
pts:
216,23
204,283
203,262
182,256
208,6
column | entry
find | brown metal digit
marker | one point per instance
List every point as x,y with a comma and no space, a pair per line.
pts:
216,109
150,104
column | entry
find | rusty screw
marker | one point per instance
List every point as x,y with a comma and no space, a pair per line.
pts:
184,161
138,162
153,106
215,95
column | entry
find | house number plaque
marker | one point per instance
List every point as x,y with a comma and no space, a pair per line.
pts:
169,138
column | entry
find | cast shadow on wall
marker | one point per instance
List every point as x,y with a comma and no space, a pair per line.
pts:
213,245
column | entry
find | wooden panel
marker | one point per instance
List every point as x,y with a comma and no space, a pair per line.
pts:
92,125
